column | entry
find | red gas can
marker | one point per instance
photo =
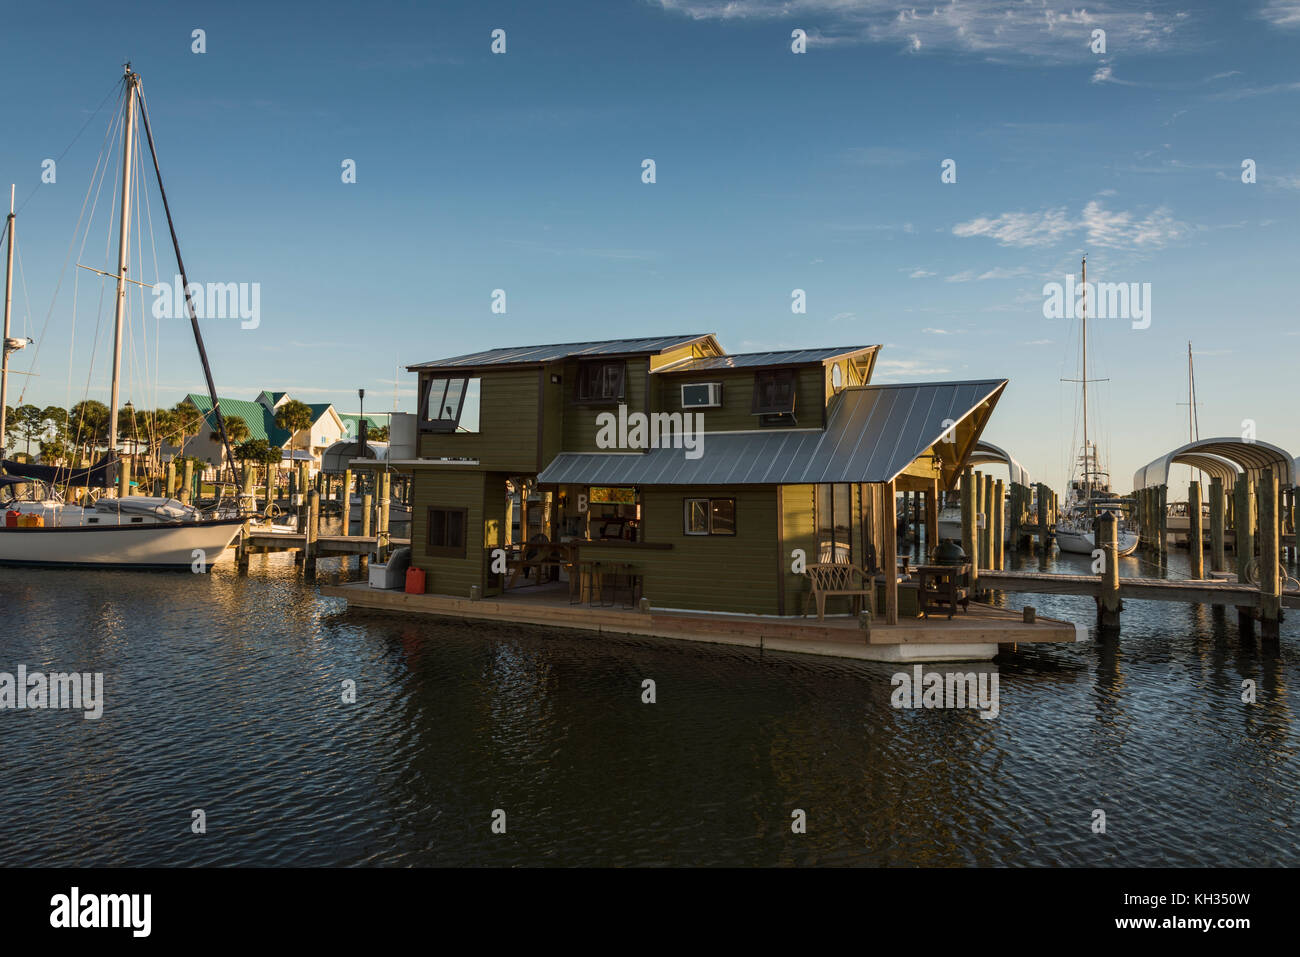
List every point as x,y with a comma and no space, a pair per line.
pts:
415,581
11,519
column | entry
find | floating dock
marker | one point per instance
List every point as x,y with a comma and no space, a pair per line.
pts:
972,636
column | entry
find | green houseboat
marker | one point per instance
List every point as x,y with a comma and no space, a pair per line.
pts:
687,477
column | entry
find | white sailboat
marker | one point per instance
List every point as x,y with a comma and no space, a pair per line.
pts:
39,527
1090,492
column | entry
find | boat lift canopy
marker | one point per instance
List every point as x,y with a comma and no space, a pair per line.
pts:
339,457
1222,458
986,453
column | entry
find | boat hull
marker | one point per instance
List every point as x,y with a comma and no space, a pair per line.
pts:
1081,543
164,545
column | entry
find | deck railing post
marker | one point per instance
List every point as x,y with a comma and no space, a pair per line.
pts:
1195,556
1108,603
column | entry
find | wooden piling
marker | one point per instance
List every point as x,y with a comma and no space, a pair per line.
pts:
977,556
1109,605
171,480
1243,510
1042,518
1270,579
932,516
1218,513
187,483
1243,513
1195,556
313,532
346,500
366,508
124,477
968,535
998,540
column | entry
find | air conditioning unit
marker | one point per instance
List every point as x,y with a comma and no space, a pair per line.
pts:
702,395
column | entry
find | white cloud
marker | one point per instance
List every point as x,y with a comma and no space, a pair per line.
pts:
1282,13
893,368
1020,229
842,315
993,29
965,276
920,274
1121,229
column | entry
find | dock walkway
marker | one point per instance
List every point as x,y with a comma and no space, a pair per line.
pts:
966,637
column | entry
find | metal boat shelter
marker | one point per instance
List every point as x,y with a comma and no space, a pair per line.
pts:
1222,458
986,453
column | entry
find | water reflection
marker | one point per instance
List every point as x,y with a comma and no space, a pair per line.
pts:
225,692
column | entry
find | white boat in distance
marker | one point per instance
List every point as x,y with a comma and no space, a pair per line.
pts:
1080,541
135,532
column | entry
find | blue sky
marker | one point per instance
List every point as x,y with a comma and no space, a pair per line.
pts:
775,171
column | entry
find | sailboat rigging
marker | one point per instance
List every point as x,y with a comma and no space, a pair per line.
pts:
39,527
1090,493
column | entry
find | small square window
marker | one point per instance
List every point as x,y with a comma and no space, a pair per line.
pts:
446,532
709,516
774,392
601,381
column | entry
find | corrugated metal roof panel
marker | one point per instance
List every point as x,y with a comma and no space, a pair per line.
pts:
756,359
872,434
563,350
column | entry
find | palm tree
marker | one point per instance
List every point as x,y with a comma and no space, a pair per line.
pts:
295,417
236,430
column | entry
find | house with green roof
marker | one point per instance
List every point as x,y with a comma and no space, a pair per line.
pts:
259,415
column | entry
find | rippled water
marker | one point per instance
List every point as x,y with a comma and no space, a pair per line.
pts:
224,693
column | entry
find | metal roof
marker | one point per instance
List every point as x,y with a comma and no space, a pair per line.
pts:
530,355
1224,458
751,359
872,434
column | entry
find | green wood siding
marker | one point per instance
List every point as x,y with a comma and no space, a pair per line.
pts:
708,573
451,488
578,432
798,530
738,397
507,436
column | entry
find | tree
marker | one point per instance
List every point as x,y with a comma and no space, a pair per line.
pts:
54,452
88,425
258,451
236,430
377,434
294,417
188,422
29,424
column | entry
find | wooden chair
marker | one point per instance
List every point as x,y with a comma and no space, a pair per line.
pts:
840,579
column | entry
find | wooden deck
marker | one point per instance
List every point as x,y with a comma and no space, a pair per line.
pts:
1203,591
974,636
325,544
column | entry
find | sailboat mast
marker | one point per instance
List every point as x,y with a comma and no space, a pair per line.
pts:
4,343
1087,453
123,246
